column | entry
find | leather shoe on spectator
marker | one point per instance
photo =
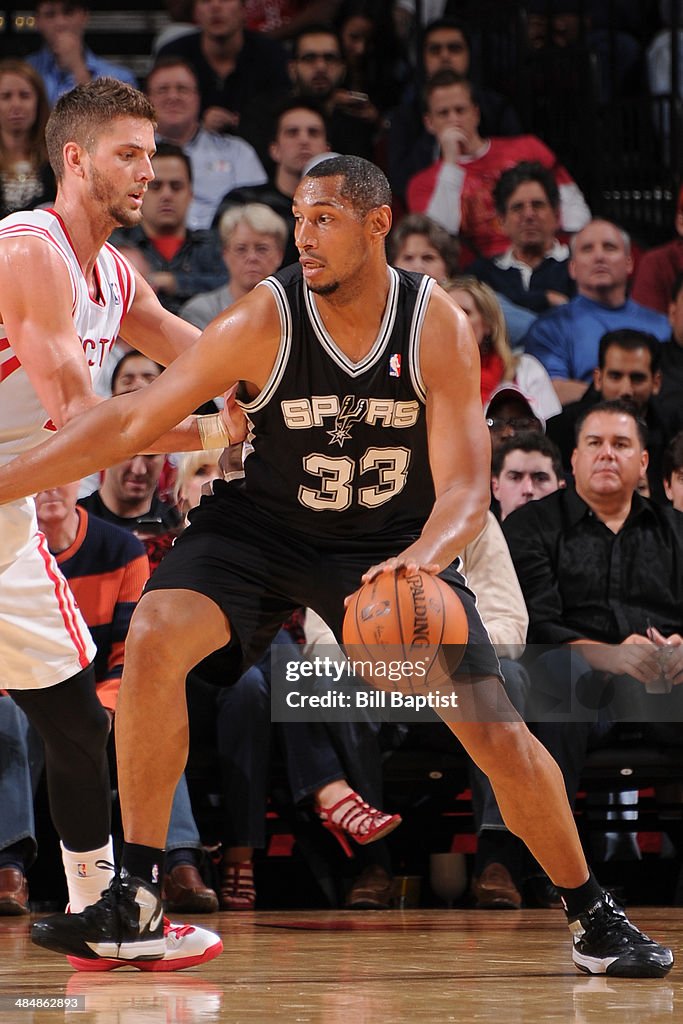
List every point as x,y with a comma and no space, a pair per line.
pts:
13,892
184,892
372,890
495,890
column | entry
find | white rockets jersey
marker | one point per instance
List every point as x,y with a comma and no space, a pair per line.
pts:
23,420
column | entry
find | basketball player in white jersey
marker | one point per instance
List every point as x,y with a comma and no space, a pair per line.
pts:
340,352
65,296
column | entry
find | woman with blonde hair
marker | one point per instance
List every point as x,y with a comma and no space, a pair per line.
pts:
499,364
194,471
26,178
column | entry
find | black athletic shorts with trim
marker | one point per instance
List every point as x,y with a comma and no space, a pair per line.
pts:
259,571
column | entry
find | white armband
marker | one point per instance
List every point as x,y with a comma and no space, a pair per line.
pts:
213,432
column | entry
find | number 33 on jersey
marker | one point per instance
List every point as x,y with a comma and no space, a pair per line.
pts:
350,436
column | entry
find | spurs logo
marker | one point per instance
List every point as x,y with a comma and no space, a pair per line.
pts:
346,417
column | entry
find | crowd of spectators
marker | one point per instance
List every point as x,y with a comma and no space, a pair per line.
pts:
580,334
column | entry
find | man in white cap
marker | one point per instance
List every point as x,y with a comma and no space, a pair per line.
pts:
508,411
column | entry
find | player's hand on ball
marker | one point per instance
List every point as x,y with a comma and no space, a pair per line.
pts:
404,563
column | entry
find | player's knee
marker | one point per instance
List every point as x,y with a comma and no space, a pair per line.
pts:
88,721
93,732
504,746
150,633
171,634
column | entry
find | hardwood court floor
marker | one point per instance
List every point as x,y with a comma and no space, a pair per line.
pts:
389,967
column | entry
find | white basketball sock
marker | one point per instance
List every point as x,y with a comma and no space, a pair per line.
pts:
84,879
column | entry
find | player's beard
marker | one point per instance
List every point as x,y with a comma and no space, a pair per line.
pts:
102,191
324,289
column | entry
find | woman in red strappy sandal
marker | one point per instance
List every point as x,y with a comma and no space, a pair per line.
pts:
344,813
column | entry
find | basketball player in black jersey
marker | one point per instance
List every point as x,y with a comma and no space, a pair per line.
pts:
370,454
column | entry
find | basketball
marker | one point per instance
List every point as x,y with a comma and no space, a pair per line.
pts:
405,619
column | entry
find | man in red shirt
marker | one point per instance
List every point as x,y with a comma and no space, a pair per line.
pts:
457,190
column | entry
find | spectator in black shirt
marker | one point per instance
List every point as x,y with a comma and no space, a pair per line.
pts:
601,569
233,64
299,133
317,71
128,498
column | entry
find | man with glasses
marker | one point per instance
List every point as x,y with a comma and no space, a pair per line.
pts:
508,412
533,272
316,71
532,275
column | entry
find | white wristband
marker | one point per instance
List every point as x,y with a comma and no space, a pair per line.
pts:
213,432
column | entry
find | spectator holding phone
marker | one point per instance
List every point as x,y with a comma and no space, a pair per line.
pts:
317,70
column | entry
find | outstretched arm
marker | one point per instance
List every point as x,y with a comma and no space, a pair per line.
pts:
241,345
163,336
459,444
39,325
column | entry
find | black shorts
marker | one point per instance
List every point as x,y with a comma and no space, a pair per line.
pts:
259,571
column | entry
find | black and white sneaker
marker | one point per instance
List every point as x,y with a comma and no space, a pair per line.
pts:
605,942
126,923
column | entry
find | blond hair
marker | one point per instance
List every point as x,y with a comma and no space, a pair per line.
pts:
489,309
188,464
259,217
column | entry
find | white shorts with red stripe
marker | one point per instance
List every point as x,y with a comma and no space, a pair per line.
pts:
43,637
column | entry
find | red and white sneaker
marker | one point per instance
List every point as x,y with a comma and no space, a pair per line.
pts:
186,946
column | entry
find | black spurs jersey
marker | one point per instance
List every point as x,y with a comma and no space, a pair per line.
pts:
340,448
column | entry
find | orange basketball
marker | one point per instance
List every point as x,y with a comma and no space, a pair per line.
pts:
401,618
